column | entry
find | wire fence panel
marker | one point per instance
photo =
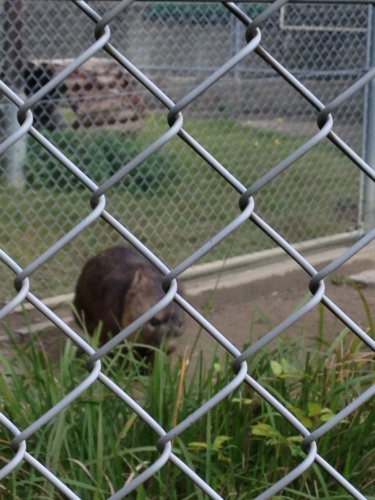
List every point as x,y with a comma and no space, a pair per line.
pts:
101,117
194,132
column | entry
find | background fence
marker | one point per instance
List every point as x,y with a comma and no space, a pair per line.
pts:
98,89
177,46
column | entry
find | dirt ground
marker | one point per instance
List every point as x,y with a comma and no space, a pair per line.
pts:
248,312
241,313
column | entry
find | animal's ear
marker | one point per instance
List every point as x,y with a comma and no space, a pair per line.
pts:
139,284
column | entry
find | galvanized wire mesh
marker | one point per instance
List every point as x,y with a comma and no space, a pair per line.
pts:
90,189
174,48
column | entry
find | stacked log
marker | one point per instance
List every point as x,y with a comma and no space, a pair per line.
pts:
101,93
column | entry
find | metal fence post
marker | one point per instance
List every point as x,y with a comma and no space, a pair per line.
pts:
13,161
368,186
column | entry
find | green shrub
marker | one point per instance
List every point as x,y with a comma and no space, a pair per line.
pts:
99,154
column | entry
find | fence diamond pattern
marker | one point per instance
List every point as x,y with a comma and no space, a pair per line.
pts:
64,163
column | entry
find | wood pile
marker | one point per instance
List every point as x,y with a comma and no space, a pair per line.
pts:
101,93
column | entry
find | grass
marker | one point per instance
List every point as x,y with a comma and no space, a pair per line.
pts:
241,447
175,202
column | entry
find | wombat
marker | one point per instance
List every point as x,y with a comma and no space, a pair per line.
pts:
117,286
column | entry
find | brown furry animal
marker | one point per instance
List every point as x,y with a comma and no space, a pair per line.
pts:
118,285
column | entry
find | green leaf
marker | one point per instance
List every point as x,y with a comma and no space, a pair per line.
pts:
266,431
276,368
300,414
287,367
297,412
294,439
325,417
218,442
195,445
315,409
223,458
242,401
141,493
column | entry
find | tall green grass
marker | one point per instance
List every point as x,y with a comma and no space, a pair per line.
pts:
241,447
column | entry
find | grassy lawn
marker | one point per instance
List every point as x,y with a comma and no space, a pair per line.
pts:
175,201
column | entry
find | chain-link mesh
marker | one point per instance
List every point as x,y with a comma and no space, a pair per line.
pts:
171,126
173,45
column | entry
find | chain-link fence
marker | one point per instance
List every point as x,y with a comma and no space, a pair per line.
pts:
100,118
171,125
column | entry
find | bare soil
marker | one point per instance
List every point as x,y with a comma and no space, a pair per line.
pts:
241,313
248,312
